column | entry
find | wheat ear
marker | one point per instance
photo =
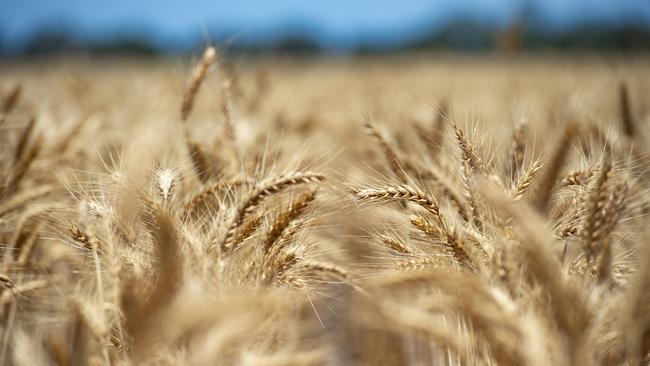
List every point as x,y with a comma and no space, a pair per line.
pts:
389,152
403,193
595,218
518,149
284,218
627,121
555,165
199,74
254,198
11,99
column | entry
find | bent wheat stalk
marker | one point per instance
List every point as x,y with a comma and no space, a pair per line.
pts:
199,74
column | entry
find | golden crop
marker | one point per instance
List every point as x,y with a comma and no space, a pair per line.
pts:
399,211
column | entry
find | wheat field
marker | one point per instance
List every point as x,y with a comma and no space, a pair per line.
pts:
403,210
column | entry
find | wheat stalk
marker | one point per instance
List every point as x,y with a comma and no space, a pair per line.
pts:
198,75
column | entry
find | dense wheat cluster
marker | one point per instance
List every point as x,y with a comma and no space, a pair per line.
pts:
404,211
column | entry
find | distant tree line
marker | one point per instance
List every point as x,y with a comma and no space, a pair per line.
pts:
462,36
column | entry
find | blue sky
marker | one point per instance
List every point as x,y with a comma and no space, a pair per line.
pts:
332,22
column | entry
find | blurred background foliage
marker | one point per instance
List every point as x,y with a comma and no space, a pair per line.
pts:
36,27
